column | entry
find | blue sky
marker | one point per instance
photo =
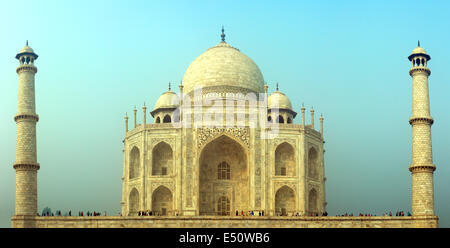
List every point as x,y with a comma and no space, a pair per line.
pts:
348,59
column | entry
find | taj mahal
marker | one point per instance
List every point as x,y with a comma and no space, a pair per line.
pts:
223,145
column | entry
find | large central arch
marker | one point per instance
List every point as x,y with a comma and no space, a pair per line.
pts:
223,174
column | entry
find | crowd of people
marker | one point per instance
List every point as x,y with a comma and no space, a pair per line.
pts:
249,213
236,213
151,213
80,213
398,213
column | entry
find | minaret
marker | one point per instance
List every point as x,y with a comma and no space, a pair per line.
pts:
26,164
126,123
144,111
135,111
303,116
321,125
422,166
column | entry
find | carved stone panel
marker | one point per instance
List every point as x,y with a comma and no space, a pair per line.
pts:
156,140
206,134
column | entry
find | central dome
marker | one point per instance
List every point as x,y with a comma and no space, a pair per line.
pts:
223,68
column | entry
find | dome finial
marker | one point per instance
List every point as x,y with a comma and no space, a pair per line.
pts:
418,43
277,86
223,34
27,42
169,85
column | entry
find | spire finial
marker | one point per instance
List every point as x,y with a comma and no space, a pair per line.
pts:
277,86
418,43
223,34
169,85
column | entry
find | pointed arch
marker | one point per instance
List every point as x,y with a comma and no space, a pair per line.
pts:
221,135
162,159
289,120
133,202
312,202
214,158
285,201
280,119
285,160
158,120
313,160
162,201
167,119
134,163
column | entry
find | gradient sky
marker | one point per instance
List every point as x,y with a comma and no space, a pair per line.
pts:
348,59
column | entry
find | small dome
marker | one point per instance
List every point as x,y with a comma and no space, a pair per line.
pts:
419,50
26,49
223,66
279,100
167,100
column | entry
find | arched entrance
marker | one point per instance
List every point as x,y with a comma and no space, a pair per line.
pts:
285,160
162,159
134,163
313,163
223,172
312,202
133,202
284,201
161,201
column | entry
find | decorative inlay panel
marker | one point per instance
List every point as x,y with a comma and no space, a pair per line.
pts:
206,134
155,141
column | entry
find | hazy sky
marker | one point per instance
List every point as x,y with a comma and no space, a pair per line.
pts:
348,59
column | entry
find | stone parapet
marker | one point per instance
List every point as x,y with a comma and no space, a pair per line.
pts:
229,222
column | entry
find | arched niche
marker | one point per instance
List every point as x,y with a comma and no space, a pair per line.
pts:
167,119
134,163
312,202
162,201
162,159
313,163
285,160
133,202
284,201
